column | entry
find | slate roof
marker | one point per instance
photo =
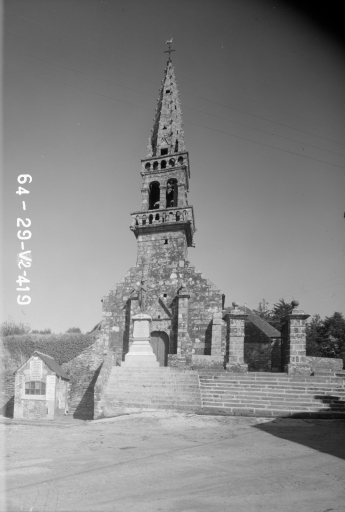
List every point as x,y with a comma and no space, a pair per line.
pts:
264,326
52,364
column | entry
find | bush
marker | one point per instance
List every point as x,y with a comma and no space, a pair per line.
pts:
10,327
62,347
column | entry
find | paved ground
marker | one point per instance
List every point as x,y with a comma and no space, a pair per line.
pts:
162,461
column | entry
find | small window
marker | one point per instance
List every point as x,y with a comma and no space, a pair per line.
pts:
164,295
166,241
164,151
163,164
148,166
159,316
35,388
167,91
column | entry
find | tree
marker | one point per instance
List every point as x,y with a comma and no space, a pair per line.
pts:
73,330
44,331
280,310
10,327
334,334
314,337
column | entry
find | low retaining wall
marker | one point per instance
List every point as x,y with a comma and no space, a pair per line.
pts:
324,363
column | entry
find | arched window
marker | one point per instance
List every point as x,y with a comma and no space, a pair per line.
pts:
154,195
180,160
172,162
171,197
155,166
163,164
176,146
35,387
150,219
148,166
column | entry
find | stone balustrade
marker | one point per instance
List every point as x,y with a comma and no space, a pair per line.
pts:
164,163
171,215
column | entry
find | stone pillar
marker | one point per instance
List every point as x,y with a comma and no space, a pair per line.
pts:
184,343
216,344
140,353
144,198
181,196
236,341
294,341
163,197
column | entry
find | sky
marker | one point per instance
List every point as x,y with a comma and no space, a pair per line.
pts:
262,93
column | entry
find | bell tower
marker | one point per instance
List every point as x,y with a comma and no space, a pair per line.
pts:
179,298
165,218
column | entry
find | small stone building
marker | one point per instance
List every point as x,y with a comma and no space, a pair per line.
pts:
41,389
262,343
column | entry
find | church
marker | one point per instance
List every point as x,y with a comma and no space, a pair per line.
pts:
166,339
185,306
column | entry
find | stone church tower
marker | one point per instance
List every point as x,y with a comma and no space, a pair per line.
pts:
187,330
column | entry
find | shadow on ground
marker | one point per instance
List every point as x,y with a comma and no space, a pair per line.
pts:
329,437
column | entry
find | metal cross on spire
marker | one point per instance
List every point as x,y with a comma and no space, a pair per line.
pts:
169,50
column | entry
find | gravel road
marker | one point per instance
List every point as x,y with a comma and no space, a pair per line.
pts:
168,461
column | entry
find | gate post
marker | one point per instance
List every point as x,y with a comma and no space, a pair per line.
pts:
294,341
236,341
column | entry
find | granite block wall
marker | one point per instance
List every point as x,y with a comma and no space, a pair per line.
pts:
163,265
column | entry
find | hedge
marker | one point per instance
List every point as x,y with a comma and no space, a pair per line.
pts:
62,347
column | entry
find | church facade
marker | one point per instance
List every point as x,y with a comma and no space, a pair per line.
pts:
187,329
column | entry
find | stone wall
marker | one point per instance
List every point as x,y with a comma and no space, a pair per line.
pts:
83,372
324,364
163,266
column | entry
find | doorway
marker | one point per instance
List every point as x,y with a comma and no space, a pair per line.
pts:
160,346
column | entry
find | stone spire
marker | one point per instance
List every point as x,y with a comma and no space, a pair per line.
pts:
167,135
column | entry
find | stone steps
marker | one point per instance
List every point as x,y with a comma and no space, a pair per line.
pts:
269,377
316,385
251,394
269,403
273,395
158,388
283,378
272,413
277,389
149,395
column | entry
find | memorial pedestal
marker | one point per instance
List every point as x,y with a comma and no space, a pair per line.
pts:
140,352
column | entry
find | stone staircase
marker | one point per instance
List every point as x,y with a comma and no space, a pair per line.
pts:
156,388
273,394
